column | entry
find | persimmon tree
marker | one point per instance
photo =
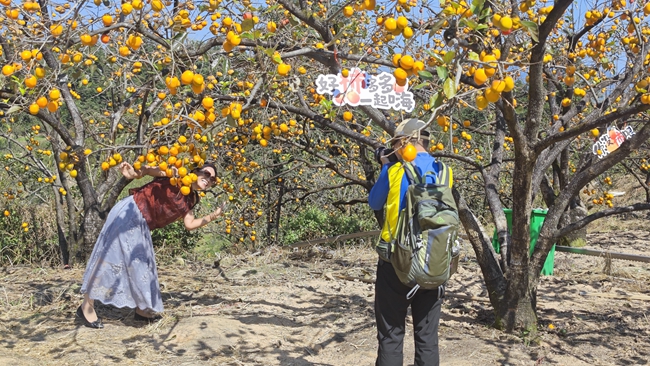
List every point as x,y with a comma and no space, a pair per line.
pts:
87,85
178,83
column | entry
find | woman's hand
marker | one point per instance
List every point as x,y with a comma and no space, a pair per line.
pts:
218,212
192,223
129,172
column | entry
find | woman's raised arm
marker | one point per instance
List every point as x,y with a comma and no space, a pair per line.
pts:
131,173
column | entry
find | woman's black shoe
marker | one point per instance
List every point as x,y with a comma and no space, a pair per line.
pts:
97,324
142,318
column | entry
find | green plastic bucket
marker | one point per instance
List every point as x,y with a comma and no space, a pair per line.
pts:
536,220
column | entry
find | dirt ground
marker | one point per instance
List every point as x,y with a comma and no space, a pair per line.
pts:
279,308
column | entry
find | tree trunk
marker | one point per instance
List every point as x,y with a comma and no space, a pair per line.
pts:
71,241
485,255
93,217
60,224
269,213
576,212
518,309
91,226
278,211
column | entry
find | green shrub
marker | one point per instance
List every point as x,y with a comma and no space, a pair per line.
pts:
37,243
174,240
210,244
315,223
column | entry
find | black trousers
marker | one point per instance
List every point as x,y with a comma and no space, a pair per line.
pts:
390,311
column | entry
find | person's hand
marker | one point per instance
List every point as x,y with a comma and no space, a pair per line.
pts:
384,160
221,209
129,172
218,212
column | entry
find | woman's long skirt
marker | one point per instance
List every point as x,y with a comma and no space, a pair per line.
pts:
122,268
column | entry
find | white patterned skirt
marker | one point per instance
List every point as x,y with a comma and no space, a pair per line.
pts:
122,268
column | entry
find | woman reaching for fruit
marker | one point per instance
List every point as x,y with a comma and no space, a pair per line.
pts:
122,267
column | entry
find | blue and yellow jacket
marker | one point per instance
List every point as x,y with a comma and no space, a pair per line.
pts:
389,190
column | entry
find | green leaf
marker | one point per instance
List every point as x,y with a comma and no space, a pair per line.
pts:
247,35
473,56
485,13
277,58
12,110
179,40
471,24
435,56
449,56
425,75
326,104
476,4
436,26
231,121
436,100
528,24
481,26
449,88
442,72
247,25
271,8
532,28
420,86
180,36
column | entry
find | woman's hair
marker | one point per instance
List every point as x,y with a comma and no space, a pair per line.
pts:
196,170
209,165
205,165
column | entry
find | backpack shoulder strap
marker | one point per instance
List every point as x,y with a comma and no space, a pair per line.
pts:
412,174
445,175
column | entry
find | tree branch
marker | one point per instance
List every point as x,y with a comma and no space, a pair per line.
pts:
548,230
460,158
536,82
599,215
594,120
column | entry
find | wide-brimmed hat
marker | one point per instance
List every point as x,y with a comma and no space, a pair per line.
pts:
412,127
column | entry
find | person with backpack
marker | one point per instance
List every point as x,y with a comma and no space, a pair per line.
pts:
414,247
122,270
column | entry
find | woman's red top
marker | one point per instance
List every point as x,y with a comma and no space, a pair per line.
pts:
161,203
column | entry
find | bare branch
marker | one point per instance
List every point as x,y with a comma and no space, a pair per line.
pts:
536,82
460,158
322,189
599,215
593,121
331,164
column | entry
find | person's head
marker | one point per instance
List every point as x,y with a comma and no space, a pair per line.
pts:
411,130
207,177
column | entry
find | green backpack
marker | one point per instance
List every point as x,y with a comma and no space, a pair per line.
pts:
426,231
